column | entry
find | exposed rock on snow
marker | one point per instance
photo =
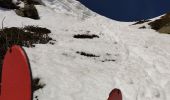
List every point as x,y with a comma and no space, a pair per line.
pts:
85,36
160,24
9,4
29,11
25,8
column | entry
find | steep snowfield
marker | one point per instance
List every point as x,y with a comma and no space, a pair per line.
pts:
135,60
70,7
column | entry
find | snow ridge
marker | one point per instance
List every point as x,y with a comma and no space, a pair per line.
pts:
69,6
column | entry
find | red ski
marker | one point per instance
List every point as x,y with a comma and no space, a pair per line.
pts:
115,95
16,81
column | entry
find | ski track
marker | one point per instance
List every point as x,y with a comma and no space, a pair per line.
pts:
141,67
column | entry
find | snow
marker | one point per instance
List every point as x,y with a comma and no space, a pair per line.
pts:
70,7
142,57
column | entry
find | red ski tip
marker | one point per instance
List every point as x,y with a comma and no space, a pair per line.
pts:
16,81
115,94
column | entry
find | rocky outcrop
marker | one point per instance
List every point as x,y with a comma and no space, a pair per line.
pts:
160,23
165,29
8,4
29,10
35,2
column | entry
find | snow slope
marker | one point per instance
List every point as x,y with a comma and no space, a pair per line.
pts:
135,60
70,7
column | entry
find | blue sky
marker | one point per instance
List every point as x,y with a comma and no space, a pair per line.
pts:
128,10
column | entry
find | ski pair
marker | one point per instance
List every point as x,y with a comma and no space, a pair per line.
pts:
115,94
16,78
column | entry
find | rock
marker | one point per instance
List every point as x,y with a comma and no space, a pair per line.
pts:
29,10
165,29
8,4
162,24
20,12
159,23
35,2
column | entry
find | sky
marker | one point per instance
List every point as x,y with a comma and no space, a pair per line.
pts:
128,10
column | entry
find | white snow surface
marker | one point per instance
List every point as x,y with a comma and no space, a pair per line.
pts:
69,7
142,58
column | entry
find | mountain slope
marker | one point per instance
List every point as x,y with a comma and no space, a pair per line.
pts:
121,56
69,6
